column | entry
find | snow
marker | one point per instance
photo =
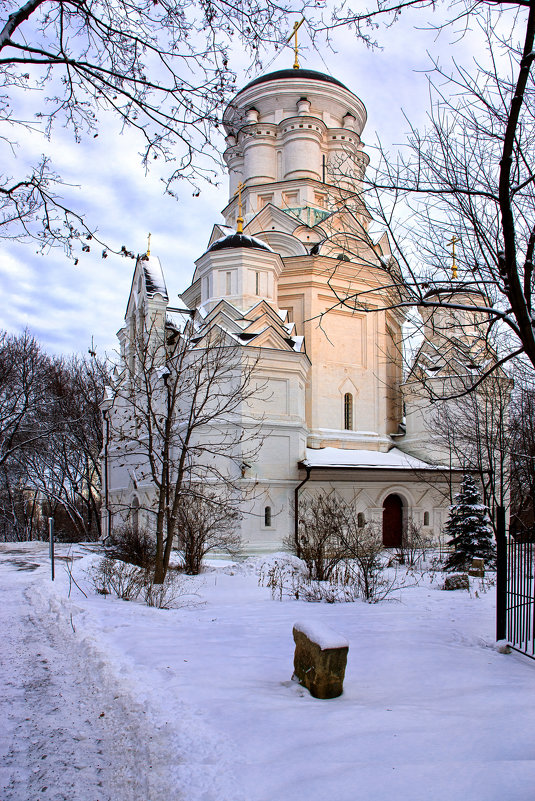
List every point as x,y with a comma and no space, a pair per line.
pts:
339,457
199,704
322,635
154,278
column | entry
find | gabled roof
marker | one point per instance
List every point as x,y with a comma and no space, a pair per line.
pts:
261,326
271,217
226,308
219,231
271,338
263,307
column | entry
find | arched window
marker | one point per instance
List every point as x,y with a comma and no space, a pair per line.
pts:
361,520
348,411
426,518
267,517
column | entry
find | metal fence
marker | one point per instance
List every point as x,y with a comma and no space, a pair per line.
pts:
520,614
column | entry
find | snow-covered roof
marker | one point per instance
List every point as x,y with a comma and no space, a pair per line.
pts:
154,280
342,457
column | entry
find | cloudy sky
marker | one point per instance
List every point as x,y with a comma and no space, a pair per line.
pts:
64,305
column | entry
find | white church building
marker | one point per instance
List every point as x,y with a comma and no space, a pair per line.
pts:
293,243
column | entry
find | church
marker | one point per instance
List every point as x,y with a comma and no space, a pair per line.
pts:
274,277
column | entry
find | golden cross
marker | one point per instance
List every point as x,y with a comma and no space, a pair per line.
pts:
453,241
297,25
239,221
148,247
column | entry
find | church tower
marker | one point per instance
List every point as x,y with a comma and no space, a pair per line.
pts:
276,280
296,163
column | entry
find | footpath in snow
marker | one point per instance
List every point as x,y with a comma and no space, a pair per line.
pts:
104,699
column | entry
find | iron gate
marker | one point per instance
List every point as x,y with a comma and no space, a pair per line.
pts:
520,609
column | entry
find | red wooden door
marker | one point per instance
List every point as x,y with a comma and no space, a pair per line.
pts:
392,521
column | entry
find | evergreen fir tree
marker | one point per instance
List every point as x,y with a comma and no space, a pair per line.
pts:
469,529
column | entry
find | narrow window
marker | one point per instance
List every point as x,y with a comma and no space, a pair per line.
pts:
348,411
257,283
267,517
361,521
426,518
135,515
229,283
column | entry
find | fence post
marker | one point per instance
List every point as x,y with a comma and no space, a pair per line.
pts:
51,544
501,575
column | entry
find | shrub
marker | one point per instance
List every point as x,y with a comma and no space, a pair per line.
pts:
114,577
321,521
206,521
414,546
133,545
172,593
130,583
288,579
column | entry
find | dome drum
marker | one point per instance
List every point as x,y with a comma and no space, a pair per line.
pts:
279,95
302,139
259,152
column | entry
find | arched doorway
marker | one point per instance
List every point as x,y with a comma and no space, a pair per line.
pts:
392,521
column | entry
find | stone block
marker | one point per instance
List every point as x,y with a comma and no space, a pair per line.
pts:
478,568
457,581
320,659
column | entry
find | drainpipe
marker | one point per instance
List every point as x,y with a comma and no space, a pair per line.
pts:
296,511
106,480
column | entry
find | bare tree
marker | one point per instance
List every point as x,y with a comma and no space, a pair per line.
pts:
207,521
467,177
50,440
179,420
160,66
322,518
522,467
64,467
475,433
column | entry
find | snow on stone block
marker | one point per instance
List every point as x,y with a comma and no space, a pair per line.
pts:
320,659
322,635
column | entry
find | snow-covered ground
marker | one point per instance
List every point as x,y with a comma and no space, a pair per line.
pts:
105,699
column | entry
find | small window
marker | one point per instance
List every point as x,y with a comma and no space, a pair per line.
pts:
426,518
257,283
228,283
348,411
361,520
135,515
267,517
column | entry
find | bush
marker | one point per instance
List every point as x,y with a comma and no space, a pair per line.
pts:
414,547
322,519
115,577
206,521
172,593
290,579
136,546
131,583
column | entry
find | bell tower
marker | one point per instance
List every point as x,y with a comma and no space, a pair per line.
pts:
287,133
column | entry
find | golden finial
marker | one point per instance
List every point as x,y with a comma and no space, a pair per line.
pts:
453,241
148,247
297,25
239,221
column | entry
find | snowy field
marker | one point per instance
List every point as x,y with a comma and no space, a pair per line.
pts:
106,700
